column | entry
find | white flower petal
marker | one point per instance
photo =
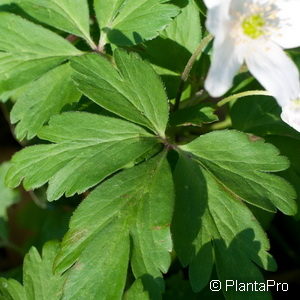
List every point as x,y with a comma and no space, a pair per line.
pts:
211,3
288,34
291,115
218,19
225,64
240,6
274,70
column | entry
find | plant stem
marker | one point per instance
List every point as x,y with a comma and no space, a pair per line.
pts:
241,95
102,42
188,68
222,125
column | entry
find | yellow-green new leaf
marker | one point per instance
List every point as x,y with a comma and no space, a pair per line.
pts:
87,148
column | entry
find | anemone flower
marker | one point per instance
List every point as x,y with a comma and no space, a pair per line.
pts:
255,32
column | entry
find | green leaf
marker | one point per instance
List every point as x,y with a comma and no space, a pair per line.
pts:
186,29
212,226
87,148
43,98
201,6
13,95
131,22
28,51
4,2
10,289
7,195
243,166
131,210
39,281
260,115
68,15
143,289
290,148
132,89
137,291
179,39
193,116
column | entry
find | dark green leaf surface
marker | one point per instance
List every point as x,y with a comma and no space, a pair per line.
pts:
260,115
137,291
28,51
242,166
39,281
42,99
171,50
87,148
69,15
134,207
131,22
290,148
193,116
132,90
212,226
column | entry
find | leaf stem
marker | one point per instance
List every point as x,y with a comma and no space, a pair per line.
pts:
102,42
187,70
92,44
241,95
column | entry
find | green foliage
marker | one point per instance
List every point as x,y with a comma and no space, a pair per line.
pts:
141,101
260,116
81,142
39,281
7,196
243,168
126,23
211,225
43,98
133,209
158,189
41,51
193,116
68,15
186,34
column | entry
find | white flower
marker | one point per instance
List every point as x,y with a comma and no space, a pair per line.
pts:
255,32
291,114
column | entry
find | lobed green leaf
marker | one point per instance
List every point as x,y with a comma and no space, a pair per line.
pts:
87,148
68,15
131,22
43,98
211,226
131,89
39,281
132,208
27,51
242,165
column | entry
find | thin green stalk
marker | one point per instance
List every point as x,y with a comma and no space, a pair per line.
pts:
188,68
241,95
